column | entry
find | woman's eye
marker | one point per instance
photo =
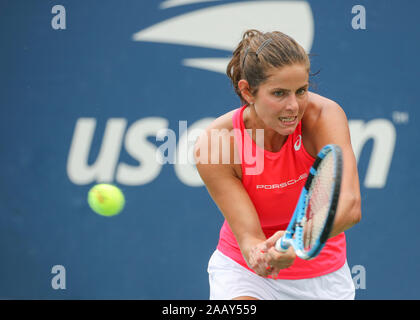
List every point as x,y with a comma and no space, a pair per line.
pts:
301,91
279,93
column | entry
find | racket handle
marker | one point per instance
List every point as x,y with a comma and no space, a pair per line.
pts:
282,244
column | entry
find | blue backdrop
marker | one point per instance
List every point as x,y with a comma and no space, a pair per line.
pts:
85,88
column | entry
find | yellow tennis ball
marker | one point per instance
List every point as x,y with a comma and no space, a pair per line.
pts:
106,199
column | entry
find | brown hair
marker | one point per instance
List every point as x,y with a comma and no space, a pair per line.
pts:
257,52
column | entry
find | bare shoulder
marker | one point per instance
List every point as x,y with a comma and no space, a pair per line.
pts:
222,122
215,150
220,127
323,117
319,107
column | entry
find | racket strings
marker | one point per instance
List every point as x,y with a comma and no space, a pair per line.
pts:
320,194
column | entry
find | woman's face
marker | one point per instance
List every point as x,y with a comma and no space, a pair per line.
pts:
281,100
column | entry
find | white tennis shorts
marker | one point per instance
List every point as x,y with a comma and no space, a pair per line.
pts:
228,280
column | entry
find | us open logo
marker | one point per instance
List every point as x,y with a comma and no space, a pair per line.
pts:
218,26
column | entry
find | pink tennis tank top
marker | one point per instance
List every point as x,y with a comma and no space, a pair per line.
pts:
274,192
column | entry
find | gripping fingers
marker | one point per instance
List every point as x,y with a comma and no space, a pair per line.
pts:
279,247
281,260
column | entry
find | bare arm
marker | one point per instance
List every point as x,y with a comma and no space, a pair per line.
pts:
227,191
332,127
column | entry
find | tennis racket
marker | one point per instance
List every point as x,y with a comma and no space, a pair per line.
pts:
314,215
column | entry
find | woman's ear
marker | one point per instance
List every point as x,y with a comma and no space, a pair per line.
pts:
245,91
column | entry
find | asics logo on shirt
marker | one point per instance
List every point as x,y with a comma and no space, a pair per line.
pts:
298,143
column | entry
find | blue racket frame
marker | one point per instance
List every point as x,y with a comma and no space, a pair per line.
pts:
295,231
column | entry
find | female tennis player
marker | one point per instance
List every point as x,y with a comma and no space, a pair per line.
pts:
286,125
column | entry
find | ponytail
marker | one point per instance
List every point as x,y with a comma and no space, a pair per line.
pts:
257,52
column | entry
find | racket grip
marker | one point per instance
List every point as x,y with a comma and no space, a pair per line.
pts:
282,245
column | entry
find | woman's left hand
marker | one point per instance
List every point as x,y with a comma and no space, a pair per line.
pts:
277,260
